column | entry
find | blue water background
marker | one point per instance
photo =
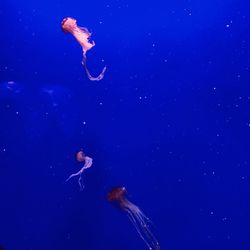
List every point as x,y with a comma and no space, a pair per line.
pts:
170,121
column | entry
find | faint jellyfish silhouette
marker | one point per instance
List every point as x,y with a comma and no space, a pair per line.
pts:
82,35
81,157
57,94
10,87
136,216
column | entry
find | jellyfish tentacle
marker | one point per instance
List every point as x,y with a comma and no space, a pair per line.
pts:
99,77
137,217
80,182
147,232
135,224
140,226
73,175
138,211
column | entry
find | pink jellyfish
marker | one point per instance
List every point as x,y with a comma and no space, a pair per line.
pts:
82,35
136,216
81,157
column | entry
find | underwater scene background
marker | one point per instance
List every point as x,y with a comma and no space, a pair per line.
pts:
170,122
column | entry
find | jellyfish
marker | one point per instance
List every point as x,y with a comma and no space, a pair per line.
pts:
82,35
81,157
136,216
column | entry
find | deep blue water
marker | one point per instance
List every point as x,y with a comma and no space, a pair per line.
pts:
170,121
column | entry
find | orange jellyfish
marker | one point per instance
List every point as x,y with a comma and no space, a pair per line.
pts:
136,216
82,35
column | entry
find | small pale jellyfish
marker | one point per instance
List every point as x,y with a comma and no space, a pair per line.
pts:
82,35
81,157
136,216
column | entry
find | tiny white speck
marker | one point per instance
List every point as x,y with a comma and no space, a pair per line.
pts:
100,103
84,123
227,25
212,213
4,149
17,113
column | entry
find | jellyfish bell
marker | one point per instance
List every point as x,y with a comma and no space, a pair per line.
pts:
68,24
117,194
80,156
